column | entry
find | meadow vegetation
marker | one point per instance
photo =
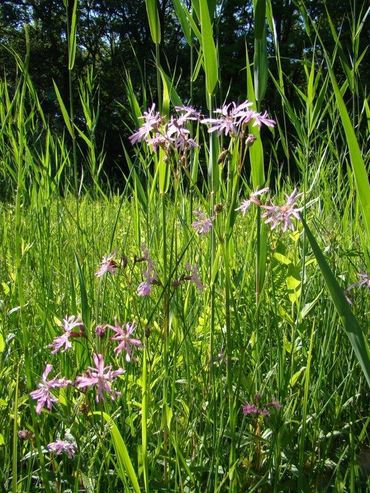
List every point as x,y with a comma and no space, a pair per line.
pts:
205,326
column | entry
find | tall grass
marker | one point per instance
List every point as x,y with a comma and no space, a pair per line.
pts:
265,329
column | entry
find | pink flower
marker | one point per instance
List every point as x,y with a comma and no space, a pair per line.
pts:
203,224
283,214
194,276
248,408
150,276
187,113
99,377
233,118
43,395
253,199
152,122
364,280
62,446
144,288
100,330
263,120
62,343
125,341
107,265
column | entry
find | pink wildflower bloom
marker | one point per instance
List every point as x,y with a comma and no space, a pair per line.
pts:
226,123
152,122
62,343
253,199
42,395
158,141
364,280
150,276
233,118
274,404
107,265
194,276
99,377
253,409
123,336
100,330
203,224
62,446
260,119
187,113
282,215
144,288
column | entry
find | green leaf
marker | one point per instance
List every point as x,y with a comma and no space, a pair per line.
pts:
2,343
208,48
182,14
64,111
153,19
72,37
85,308
350,323
124,461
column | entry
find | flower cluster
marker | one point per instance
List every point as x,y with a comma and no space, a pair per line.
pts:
98,377
257,410
157,132
275,215
63,446
231,120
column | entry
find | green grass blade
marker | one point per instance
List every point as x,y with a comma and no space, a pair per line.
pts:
208,48
350,323
64,111
260,50
181,12
125,464
72,37
153,19
85,308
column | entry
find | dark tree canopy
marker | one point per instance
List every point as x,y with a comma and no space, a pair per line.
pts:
114,39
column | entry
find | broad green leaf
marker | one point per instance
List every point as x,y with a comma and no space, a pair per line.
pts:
2,343
350,323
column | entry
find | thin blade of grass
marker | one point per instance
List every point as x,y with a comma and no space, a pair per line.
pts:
72,37
124,461
153,19
208,48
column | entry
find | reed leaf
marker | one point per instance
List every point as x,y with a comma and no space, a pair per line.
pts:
209,49
153,19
